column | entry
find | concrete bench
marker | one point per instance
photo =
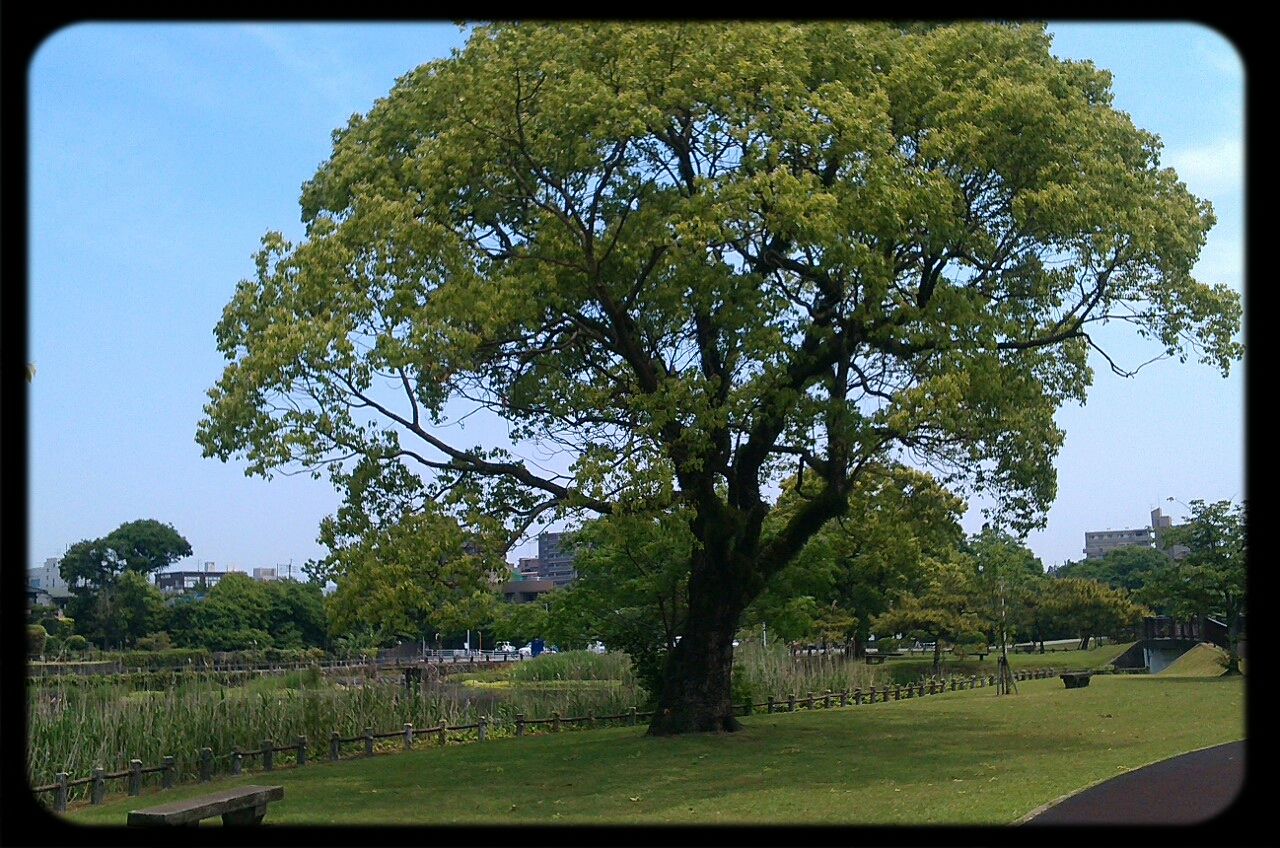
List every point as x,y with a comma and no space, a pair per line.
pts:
1076,679
243,805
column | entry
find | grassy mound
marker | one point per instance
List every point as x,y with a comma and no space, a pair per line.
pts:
1204,660
968,757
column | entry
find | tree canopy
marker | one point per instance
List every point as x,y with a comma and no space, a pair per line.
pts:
691,256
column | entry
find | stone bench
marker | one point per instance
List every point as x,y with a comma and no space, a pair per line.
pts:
242,805
1077,679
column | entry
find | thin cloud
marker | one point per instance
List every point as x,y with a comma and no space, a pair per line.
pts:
321,69
1210,170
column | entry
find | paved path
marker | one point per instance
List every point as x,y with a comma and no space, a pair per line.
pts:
1188,789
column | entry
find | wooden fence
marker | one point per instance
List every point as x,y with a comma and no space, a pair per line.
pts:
408,734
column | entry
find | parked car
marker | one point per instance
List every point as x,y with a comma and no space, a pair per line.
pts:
596,647
505,648
526,651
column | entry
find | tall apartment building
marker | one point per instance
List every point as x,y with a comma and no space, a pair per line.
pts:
1099,543
264,573
552,564
556,564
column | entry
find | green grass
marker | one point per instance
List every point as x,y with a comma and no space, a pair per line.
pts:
957,758
1203,660
909,669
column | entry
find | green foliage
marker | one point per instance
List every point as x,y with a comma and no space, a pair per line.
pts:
112,599
142,547
631,589
1128,568
75,642
156,642
576,665
410,578
1088,608
689,257
1007,585
1210,580
849,572
36,639
947,611
241,613
519,624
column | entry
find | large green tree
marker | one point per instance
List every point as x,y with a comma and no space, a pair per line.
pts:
110,609
689,256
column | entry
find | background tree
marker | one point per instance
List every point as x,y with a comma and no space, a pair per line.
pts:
630,592
1007,578
410,579
1128,568
690,256
947,611
898,519
1210,580
1088,608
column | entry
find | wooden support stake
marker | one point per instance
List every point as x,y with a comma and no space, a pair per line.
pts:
333,746
60,795
135,777
368,741
408,735
268,755
519,724
237,762
99,786
206,765
166,776
302,751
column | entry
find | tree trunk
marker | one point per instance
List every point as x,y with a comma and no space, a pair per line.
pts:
696,694
937,656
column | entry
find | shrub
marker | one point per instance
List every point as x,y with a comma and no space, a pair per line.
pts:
155,642
37,636
75,642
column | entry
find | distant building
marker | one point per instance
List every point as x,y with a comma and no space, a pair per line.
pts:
1160,523
1098,543
48,576
261,574
525,591
552,564
178,582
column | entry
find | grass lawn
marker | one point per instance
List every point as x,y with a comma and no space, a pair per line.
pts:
909,668
957,758
1204,660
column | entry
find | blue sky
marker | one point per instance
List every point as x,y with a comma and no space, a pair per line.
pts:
160,154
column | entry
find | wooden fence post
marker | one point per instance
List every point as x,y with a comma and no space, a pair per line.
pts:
844,697
911,690
302,751
520,724
826,700
591,720
769,706
555,722
268,755
791,702
60,797
857,696
482,732
333,746
809,703
237,762
99,786
897,692
368,741
135,777
206,765
631,717
443,735
166,776
953,684
408,735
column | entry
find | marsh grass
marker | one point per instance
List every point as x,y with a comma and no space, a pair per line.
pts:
74,728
